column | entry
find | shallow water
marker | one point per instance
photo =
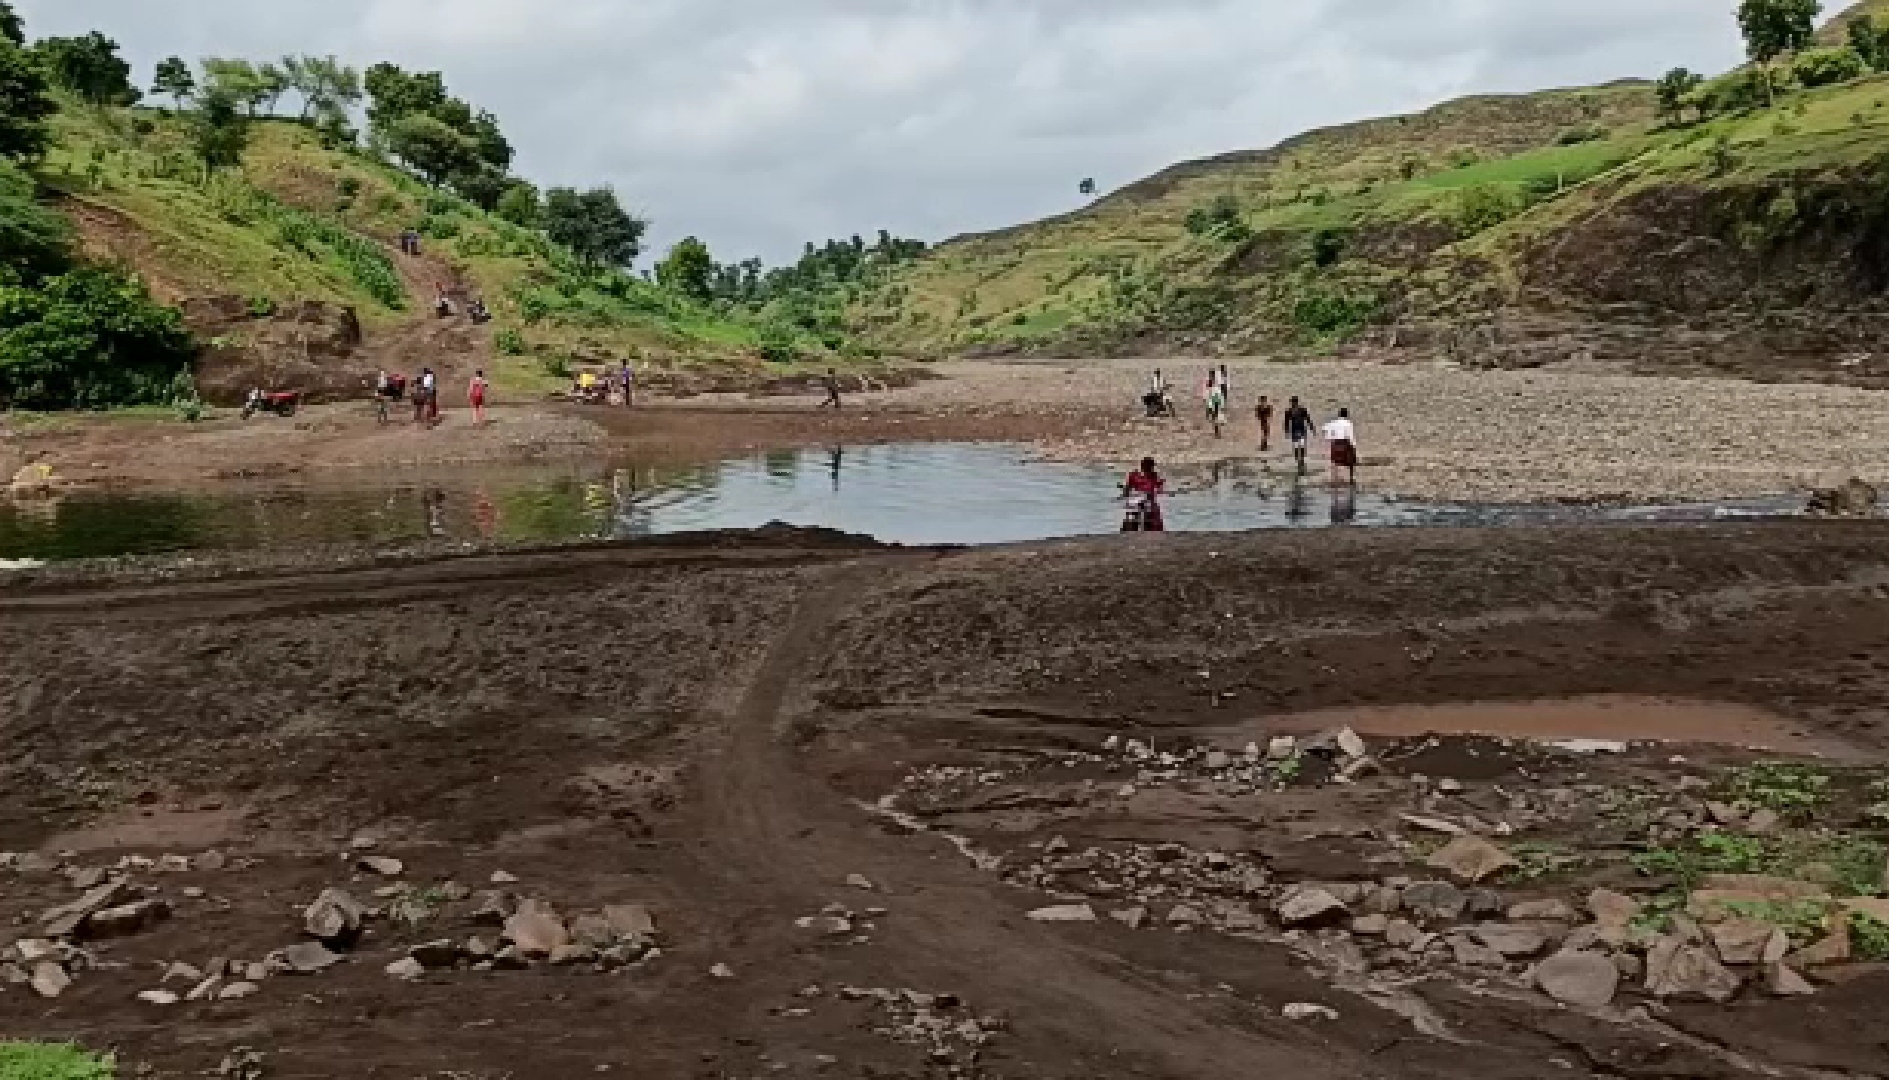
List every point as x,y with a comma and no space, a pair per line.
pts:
925,493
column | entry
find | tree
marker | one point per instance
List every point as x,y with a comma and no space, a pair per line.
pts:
88,338
271,83
35,242
522,205
11,28
481,185
594,226
237,81
1828,67
174,79
689,269
325,84
1674,88
431,147
1087,187
25,103
219,130
88,66
1870,41
1775,27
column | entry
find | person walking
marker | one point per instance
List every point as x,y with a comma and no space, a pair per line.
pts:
1226,388
832,390
475,396
628,378
1263,413
1298,425
416,389
1341,435
429,390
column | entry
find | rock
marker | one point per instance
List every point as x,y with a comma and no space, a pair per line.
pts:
536,930
437,955
1301,1010
1676,968
159,997
1833,949
183,973
50,980
1064,913
500,877
1381,900
1282,747
632,923
1769,889
88,878
211,862
722,971
1185,915
1310,906
1763,821
1432,824
1449,787
859,881
1544,911
1133,918
1510,939
1349,744
1749,941
573,953
380,864
1218,759
35,950
406,968
334,919
126,920
1435,900
1781,981
477,949
66,920
1723,813
492,907
593,931
1471,858
1483,903
1589,980
204,988
255,972
1614,913
1370,925
1402,933
1471,954
309,958
237,991
1854,499
1629,965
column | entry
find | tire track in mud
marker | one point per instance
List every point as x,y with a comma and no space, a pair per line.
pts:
783,842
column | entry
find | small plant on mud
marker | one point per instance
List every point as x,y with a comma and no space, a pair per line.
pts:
44,1061
418,906
1288,770
1803,921
1789,788
1540,859
1869,937
558,366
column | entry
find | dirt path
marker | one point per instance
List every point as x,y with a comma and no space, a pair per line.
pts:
786,841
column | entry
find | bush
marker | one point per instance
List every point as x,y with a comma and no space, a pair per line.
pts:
349,186
558,366
88,339
34,241
779,343
1219,218
1827,67
1575,136
1328,246
1485,206
1333,313
440,227
1740,91
509,342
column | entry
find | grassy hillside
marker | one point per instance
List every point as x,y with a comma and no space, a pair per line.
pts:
301,222
1561,203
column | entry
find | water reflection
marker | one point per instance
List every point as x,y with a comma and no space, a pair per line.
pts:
914,493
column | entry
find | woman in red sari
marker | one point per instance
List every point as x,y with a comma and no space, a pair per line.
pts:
1143,490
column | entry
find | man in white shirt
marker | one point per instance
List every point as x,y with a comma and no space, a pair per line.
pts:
1342,436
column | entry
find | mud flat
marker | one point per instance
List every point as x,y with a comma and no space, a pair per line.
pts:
1053,810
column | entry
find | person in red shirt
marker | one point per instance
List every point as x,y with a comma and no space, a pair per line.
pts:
1143,490
475,396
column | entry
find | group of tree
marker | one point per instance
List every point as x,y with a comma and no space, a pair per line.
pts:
71,335
1775,31
443,139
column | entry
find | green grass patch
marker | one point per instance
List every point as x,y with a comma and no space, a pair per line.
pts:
1849,864
49,1061
1793,789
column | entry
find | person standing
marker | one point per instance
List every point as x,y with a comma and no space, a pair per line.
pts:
475,396
1226,388
429,390
628,378
416,388
1342,437
832,390
1263,413
1298,425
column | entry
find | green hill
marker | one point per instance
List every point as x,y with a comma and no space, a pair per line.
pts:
1516,229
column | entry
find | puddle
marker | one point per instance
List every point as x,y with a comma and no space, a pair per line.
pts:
922,493
1598,720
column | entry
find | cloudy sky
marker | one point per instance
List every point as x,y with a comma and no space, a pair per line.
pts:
758,124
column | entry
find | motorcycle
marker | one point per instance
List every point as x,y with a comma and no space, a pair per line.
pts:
283,403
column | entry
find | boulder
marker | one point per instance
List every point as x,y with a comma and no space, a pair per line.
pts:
1064,913
308,958
632,923
1749,941
1510,939
1471,858
1381,900
536,930
1613,914
1587,979
334,919
1309,907
1677,968
1470,953
49,980
1435,900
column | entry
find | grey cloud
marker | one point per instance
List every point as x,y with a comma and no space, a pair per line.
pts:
758,124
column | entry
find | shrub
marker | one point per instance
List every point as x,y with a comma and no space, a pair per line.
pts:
1827,67
509,342
1332,313
1328,246
1485,206
558,366
88,339
779,343
440,227
349,186
1575,136
1219,218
